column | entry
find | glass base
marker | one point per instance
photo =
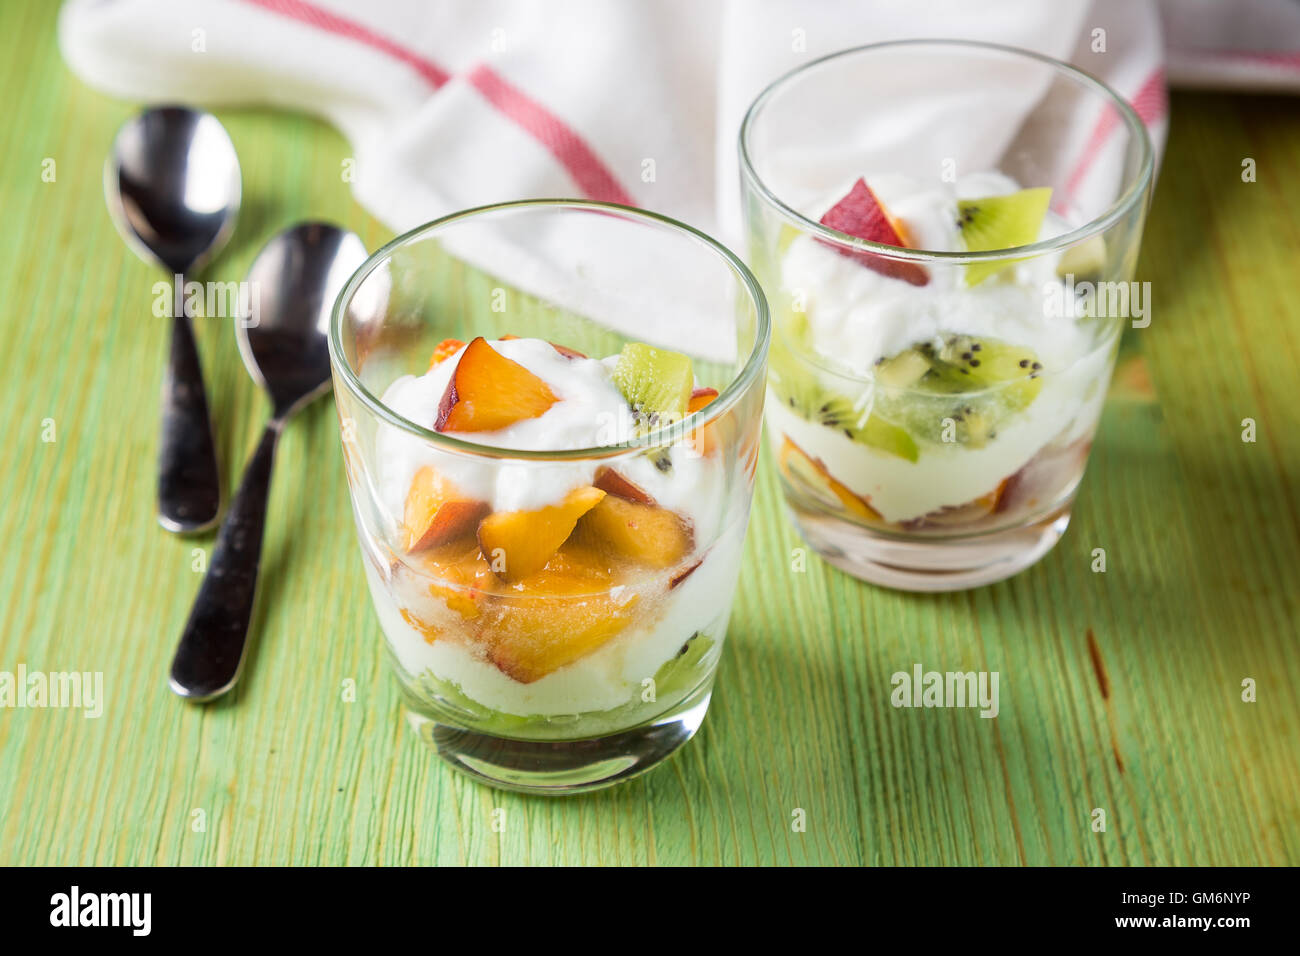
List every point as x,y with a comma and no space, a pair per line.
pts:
928,564
559,767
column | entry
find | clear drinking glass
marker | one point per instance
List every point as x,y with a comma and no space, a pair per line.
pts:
931,407
594,668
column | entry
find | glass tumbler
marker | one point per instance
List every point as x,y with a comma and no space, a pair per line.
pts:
599,661
947,234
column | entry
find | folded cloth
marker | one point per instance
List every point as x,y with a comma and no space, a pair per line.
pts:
449,104
1246,45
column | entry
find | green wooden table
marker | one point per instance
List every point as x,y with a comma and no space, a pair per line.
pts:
1120,690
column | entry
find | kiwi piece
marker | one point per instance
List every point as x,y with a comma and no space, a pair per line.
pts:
1000,222
976,382
816,404
968,364
1084,261
656,383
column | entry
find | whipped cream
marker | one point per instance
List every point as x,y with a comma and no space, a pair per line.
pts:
857,315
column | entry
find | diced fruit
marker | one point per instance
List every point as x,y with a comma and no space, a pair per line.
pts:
975,382
655,382
816,404
445,350
703,439
437,512
488,392
957,516
611,482
649,535
810,473
683,575
520,543
861,215
1085,261
555,616
458,576
427,630
567,352
1000,222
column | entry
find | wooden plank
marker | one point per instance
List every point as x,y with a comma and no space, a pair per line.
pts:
1119,690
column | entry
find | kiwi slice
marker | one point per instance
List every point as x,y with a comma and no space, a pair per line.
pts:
816,404
1085,261
1000,222
656,383
975,382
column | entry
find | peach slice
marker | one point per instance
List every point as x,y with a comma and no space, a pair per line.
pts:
567,352
437,511
429,632
801,468
445,350
611,482
555,616
702,439
460,577
488,392
647,534
520,543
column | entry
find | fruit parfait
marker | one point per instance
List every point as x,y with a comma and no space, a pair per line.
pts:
551,519
937,376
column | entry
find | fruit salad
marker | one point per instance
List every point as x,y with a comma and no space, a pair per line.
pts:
555,598
934,399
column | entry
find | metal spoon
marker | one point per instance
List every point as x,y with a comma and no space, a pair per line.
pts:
294,282
172,187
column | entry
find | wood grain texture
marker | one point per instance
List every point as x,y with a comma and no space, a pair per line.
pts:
1119,690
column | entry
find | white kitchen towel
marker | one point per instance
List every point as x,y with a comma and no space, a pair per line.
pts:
450,103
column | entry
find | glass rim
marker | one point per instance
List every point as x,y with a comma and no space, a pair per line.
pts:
728,396
1136,190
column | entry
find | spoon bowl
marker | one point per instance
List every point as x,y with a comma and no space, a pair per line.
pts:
172,183
284,343
293,282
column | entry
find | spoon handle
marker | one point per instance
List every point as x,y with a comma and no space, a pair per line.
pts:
212,646
189,486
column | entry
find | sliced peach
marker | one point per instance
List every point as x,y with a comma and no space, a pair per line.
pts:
702,439
437,511
682,576
647,534
427,630
488,392
460,577
555,616
801,468
567,352
519,543
611,482
445,350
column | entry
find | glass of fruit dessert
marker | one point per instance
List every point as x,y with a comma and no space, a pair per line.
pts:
550,413
947,232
